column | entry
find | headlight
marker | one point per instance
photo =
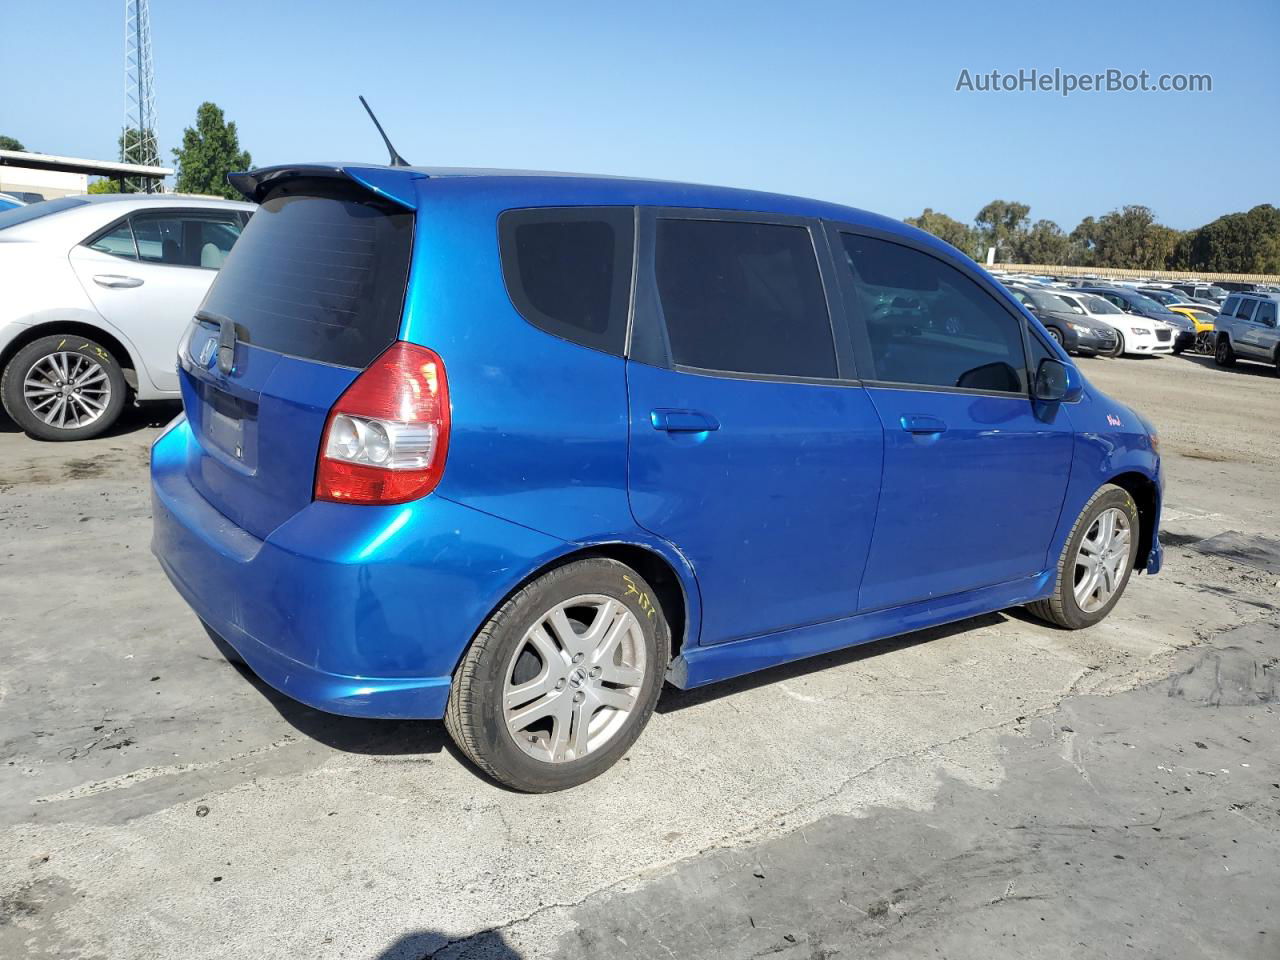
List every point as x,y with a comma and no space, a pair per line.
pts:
1079,328
1140,331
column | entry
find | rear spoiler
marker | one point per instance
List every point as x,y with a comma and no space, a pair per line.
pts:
394,183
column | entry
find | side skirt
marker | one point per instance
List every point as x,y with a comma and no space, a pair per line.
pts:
703,665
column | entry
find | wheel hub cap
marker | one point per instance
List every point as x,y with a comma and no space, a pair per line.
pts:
67,390
590,662
1101,560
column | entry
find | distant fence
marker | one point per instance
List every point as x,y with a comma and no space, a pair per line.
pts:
1134,274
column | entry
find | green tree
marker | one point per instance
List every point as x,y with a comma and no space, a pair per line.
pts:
9,143
105,185
1131,238
1043,243
208,153
959,235
1000,223
1084,243
1234,243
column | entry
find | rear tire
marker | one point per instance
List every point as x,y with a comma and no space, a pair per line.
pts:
558,684
1090,551
63,387
1223,355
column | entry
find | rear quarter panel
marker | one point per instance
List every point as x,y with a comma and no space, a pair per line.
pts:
539,425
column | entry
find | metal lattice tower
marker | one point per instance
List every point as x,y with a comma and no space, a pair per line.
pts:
138,138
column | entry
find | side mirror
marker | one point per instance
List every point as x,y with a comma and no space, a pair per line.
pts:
1057,382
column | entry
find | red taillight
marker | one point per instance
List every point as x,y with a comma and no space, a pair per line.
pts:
388,434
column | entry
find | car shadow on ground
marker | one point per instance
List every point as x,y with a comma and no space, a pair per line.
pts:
351,734
489,944
1249,368
674,700
134,417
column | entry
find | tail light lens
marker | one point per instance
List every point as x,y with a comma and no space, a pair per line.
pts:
387,436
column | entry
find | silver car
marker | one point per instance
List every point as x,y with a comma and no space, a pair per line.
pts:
97,292
1246,329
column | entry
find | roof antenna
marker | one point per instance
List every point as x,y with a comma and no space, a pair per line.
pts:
396,159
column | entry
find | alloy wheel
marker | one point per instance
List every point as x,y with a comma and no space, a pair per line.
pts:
67,390
1101,560
574,678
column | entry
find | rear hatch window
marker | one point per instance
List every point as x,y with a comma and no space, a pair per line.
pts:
315,287
319,274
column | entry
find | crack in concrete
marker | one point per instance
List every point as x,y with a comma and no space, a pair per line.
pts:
143,774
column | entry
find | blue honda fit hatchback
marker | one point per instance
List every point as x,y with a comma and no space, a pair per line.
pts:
514,449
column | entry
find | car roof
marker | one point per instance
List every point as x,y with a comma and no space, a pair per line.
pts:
167,199
550,188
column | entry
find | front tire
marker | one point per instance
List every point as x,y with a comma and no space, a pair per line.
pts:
1118,351
1096,562
558,684
63,387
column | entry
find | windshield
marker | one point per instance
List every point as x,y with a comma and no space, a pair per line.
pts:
1045,301
33,211
1098,305
1217,292
1146,303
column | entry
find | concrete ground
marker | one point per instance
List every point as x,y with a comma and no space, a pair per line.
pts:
995,788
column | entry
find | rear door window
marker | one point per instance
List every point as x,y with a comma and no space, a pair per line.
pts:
186,240
319,273
568,271
926,323
1266,314
118,241
1245,310
743,297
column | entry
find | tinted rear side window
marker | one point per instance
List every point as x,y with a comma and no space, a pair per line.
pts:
319,273
568,271
743,297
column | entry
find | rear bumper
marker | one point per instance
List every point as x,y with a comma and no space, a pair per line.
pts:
360,611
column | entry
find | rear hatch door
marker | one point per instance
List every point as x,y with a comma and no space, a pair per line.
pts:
309,296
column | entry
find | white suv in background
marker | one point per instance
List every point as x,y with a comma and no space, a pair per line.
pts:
95,294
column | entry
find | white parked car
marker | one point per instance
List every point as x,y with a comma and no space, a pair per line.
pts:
96,293
1139,336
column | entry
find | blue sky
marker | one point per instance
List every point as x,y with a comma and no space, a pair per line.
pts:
853,102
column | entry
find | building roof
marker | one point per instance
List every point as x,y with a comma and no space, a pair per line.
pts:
98,168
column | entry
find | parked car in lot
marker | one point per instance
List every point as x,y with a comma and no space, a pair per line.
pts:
513,449
1136,336
1181,331
8,201
1246,329
97,292
1202,291
1074,331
